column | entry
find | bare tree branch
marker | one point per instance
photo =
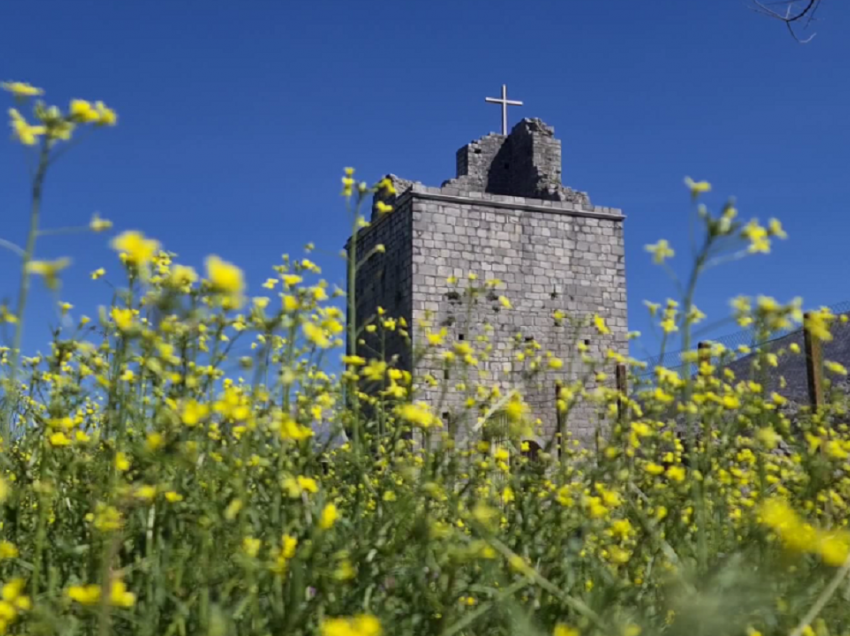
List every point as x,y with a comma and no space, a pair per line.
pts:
795,13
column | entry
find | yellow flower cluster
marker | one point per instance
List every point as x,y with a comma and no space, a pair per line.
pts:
91,594
360,625
196,460
833,546
53,125
13,602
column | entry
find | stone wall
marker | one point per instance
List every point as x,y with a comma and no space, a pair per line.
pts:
549,258
507,216
384,280
526,163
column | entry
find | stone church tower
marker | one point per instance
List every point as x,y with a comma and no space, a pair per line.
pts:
506,215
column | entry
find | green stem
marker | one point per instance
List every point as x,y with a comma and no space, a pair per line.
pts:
12,247
823,599
41,528
698,494
23,292
351,348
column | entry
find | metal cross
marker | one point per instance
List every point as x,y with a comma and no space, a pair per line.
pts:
505,102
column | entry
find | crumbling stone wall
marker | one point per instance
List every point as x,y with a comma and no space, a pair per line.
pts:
526,163
507,216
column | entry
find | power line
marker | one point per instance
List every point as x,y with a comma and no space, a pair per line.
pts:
745,337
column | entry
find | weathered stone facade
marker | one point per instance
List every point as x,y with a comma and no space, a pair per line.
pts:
507,216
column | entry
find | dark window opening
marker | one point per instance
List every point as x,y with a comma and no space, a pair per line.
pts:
460,336
533,449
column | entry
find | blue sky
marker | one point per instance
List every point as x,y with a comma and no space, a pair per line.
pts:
236,119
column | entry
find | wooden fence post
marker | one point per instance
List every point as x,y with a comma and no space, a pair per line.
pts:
814,366
623,390
559,419
703,353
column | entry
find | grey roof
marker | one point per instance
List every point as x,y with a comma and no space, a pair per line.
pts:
793,366
325,436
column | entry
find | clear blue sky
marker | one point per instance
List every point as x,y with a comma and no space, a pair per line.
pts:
236,119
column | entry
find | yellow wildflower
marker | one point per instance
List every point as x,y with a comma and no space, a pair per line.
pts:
106,116
316,335
387,186
193,413
21,89
668,325
106,518
296,486
697,187
599,323
419,414
123,318
119,596
122,463
182,276
818,322
233,509
8,550
226,279
84,594
292,430
328,517
146,492
135,248
26,134
251,546
98,224
361,625
660,251
774,228
49,269
288,545
758,236
59,439
676,473
835,367
565,630
82,111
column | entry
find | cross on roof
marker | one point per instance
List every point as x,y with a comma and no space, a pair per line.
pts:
505,102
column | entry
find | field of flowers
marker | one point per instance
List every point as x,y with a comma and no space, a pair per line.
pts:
161,475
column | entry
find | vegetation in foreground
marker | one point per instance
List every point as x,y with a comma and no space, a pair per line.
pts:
161,475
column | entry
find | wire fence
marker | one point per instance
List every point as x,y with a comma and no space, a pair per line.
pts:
745,337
